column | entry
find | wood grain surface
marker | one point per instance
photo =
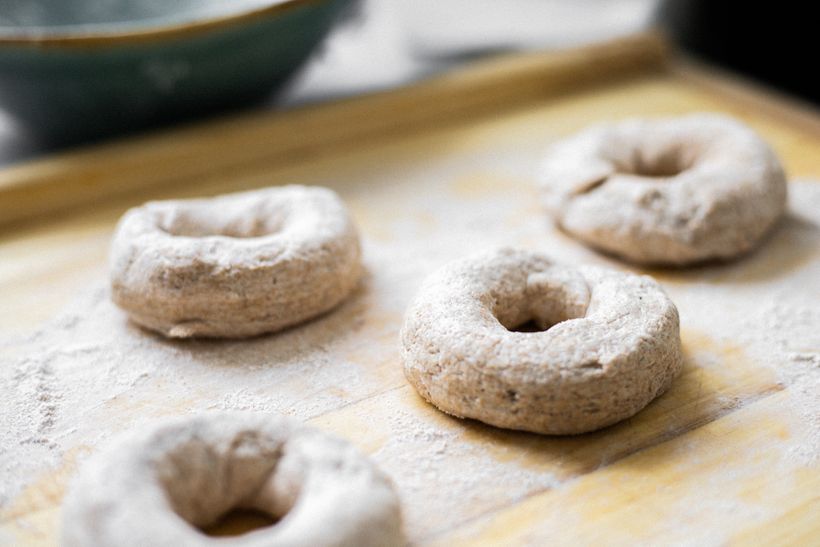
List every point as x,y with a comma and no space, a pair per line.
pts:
427,172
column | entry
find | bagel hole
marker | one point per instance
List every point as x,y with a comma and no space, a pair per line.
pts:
238,522
541,324
668,164
530,325
221,489
202,224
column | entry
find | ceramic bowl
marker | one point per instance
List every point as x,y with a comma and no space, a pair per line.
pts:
75,70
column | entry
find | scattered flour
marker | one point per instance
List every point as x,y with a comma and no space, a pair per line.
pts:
89,373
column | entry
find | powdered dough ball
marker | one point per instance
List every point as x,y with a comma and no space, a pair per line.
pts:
235,265
668,191
611,344
160,486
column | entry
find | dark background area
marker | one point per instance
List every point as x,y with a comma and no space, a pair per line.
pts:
773,42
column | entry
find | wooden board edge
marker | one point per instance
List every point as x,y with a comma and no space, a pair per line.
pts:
753,94
87,176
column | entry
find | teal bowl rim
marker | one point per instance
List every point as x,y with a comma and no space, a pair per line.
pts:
120,34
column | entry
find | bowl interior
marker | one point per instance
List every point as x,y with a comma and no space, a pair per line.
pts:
65,16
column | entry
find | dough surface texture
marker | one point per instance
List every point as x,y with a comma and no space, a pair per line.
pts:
160,485
611,346
236,265
668,191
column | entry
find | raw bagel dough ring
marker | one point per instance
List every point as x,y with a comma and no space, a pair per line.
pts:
666,191
614,344
236,265
157,485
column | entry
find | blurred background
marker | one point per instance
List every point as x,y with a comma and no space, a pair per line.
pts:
80,71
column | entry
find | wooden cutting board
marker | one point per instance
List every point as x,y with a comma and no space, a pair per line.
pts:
434,171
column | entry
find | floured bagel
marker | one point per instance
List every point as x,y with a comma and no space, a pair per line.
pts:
670,191
161,485
613,342
235,265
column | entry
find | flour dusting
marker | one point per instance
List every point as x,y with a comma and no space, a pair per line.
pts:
90,374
